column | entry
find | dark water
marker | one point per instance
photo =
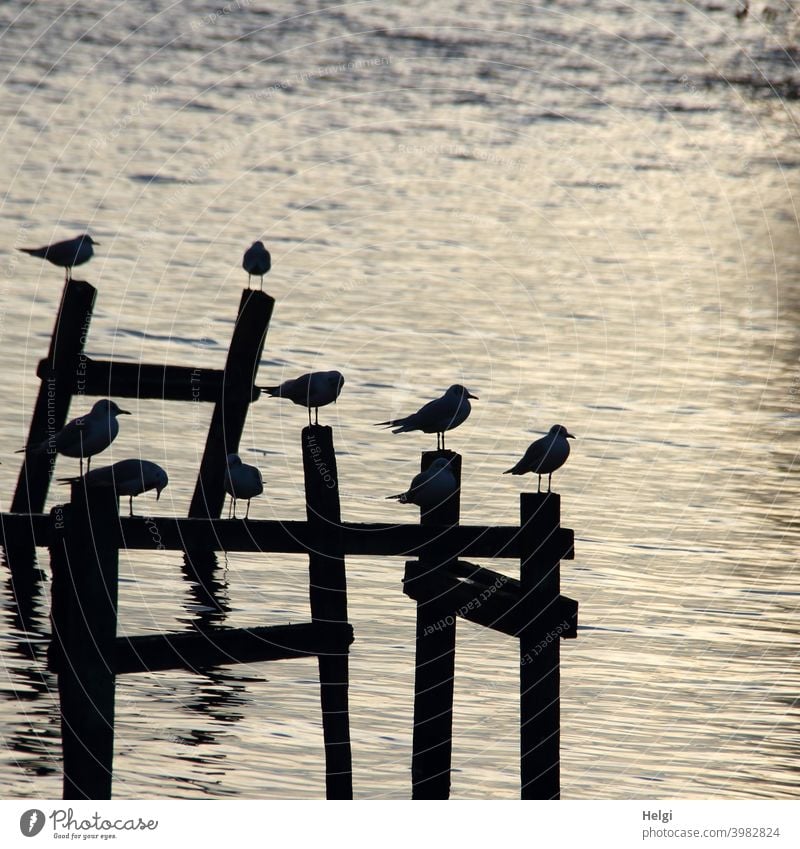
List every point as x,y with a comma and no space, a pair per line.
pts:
583,211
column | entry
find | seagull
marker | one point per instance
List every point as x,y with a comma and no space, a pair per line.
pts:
66,254
430,488
316,390
256,261
85,436
545,455
127,477
242,481
437,416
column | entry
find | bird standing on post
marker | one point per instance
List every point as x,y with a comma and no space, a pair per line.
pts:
545,455
430,488
127,477
85,436
241,481
437,416
256,262
66,254
314,390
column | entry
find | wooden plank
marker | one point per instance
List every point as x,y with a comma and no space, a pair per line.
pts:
484,597
539,646
84,619
328,600
61,378
17,528
195,651
435,657
163,382
292,537
228,418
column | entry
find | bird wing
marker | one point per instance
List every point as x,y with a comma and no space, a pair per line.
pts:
531,459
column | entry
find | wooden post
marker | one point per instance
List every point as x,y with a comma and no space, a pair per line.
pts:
435,662
227,421
539,644
328,599
61,375
85,558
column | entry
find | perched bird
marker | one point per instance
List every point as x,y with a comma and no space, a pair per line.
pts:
310,390
437,416
242,481
256,262
127,477
545,455
85,436
430,488
66,254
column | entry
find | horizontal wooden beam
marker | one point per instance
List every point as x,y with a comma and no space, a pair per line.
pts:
270,536
482,596
200,650
146,380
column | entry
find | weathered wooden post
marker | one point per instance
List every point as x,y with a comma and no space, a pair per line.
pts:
230,412
435,660
85,558
540,720
61,376
328,601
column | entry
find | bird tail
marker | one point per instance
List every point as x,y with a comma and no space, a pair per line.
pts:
399,425
32,449
65,481
272,391
515,470
40,252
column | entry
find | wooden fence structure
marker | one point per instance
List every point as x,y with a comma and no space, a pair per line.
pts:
85,536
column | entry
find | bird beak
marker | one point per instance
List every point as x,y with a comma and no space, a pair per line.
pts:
124,413
570,436
158,494
474,397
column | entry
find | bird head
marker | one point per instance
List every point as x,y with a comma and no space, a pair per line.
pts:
336,380
560,430
109,408
87,238
439,465
461,392
162,480
234,460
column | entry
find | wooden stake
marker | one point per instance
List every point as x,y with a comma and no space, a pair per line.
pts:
85,558
539,645
435,661
228,418
328,599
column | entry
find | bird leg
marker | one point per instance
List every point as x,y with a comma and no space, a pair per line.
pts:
88,465
539,488
230,507
316,415
261,285
130,505
309,416
247,513
442,440
549,481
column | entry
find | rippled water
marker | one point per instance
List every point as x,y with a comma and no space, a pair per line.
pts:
584,211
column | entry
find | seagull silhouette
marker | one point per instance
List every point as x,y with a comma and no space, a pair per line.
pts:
545,455
317,389
85,436
127,477
241,481
67,254
430,488
437,416
256,262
